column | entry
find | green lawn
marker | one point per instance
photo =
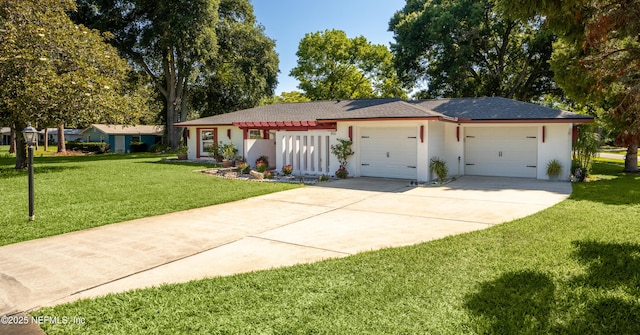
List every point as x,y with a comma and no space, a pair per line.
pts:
571,269
40,152
78,192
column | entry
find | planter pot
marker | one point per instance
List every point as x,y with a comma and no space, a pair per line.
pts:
553,178
227,163
182,157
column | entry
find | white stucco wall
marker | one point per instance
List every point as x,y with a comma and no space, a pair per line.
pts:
557,145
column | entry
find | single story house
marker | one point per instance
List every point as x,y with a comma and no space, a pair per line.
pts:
69,135
395,138
120,137
5,136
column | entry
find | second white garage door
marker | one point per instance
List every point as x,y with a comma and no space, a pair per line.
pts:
508,152
388,152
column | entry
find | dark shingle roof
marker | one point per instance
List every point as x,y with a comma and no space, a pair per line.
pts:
464,108
495,108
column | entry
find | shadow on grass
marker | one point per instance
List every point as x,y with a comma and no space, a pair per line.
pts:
194,164
515,303
604,300
7,173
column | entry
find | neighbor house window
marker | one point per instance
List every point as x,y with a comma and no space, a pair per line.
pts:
135,138
255,134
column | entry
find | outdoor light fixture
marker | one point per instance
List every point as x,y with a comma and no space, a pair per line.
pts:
30,137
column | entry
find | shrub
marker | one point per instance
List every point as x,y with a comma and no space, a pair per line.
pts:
439,166
342,172
323,177
342,151
287,170
95,147
158,147
261,167
262,160
268,175
137,147
214,151
243,167
585,147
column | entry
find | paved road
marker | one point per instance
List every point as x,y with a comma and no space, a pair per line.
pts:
335,219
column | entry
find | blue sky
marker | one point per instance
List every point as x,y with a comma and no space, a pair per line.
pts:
287,21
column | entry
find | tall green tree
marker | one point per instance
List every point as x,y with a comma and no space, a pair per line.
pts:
170,40
467,48
245,69
597,58
333,66
53,71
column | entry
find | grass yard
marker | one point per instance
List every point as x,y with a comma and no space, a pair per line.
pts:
40,152
79,192
571,269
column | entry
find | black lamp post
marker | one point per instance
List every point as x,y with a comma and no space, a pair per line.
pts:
30,137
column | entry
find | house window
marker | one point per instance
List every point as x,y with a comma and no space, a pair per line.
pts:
135,138
207,137
255,134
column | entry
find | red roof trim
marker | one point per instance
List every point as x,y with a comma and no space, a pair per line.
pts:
286,125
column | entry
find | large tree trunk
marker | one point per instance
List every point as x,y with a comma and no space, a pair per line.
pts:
46,139
631,160
21,147
12,145
62,147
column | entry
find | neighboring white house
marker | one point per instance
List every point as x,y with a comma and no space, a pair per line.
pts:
394,138
69,135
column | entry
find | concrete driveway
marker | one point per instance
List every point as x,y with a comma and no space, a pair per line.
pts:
331,220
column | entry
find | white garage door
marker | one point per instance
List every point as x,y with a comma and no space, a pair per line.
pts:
388,152
509,152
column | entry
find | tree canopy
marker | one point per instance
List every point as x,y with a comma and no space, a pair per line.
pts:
171,40
246,67
467,48
596,59
333,66
203,56
54,72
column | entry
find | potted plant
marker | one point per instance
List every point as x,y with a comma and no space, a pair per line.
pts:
554,168
439,166
182,152
214,151
228,152
342,151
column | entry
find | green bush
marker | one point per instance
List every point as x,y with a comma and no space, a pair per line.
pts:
158,147
262,167
137,147
95,147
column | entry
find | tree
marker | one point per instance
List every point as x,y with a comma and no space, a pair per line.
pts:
53,71
170,40
597,59
466,48
333,66
284,97
245,69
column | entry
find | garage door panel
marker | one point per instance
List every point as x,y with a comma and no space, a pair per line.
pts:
388,152
510,152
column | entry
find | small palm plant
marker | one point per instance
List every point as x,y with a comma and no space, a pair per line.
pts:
439,166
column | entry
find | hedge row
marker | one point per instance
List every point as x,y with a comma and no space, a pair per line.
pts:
96,147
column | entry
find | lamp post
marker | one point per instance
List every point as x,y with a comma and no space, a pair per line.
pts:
30,137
